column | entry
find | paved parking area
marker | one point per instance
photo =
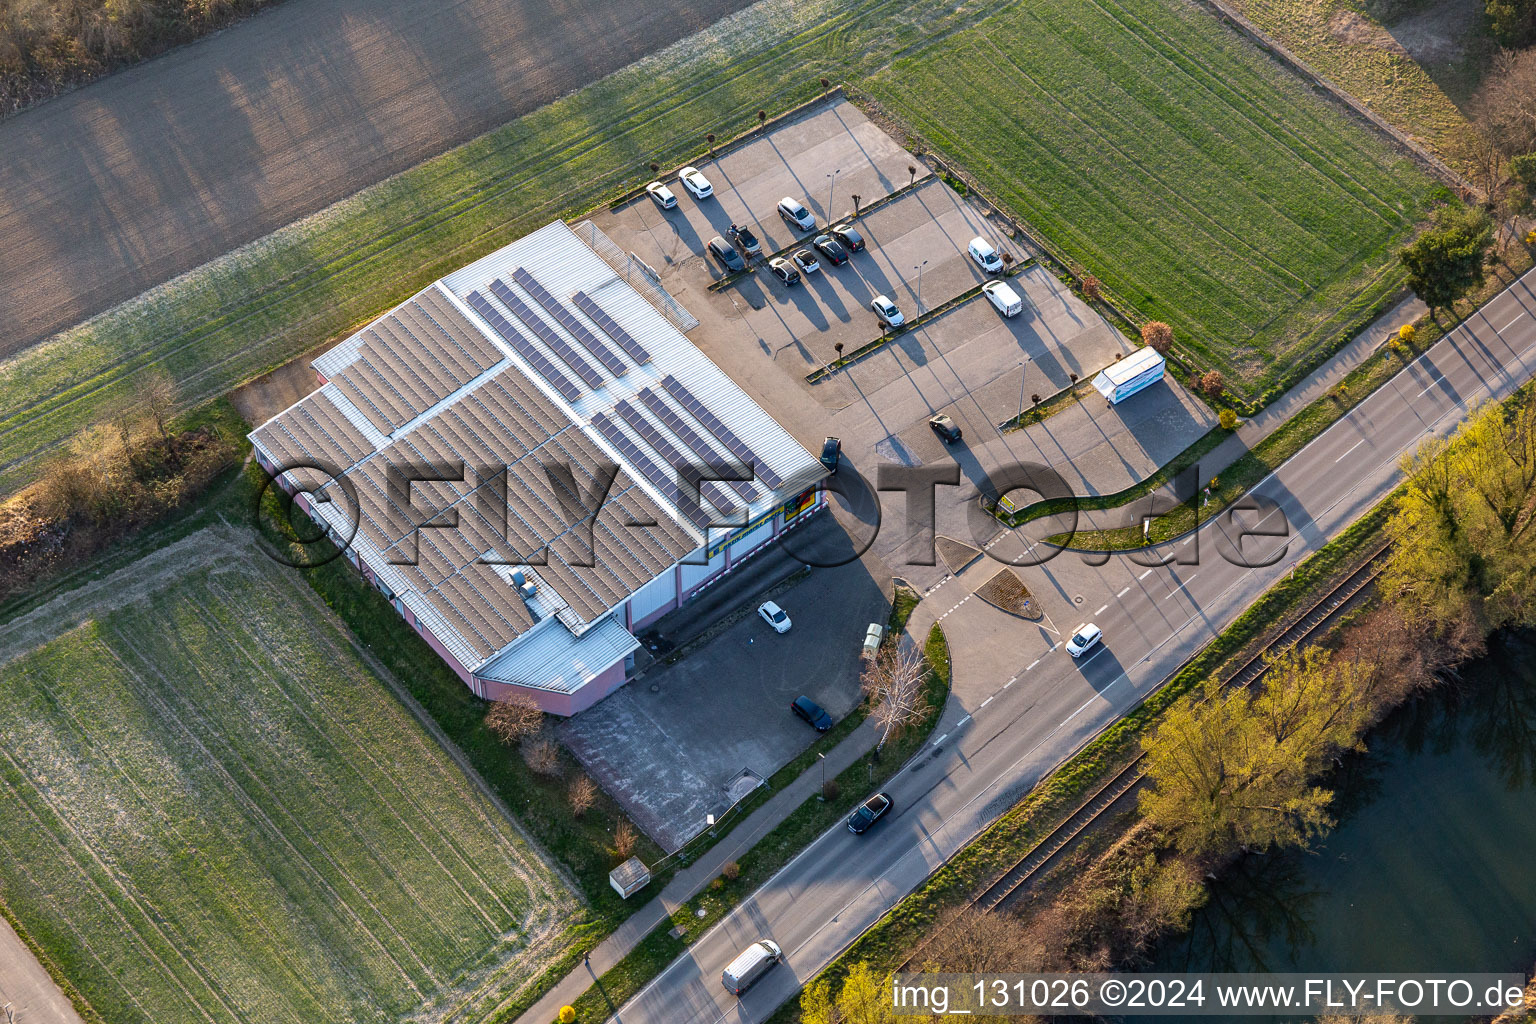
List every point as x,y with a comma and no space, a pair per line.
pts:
668,745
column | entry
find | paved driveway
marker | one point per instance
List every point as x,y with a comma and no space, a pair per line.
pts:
123,184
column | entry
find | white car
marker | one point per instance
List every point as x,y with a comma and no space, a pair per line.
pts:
806,261
886,310
794,213
696,183
774,616
663,195
985,255
1084,639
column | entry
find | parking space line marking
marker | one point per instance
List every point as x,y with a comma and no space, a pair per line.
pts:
1031,665
1101,609
1122,593
985,702
1145,575
1352,447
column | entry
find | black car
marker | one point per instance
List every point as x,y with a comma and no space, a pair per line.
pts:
832,249
868,812
945,428
831,452
744,237
728,256
848,236
812,713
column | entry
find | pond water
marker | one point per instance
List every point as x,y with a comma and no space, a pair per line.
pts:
1433,864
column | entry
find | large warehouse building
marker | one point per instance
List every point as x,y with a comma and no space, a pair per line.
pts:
540,356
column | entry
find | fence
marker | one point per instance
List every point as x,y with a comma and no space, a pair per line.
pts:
639,276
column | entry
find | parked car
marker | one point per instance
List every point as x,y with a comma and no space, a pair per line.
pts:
945,428
1003,297
812,713
985,255
796,215
831,453
1084,639
868,812
886,310
846,234
744,237
784,270
775,616
729,258
696,183
661,194
806,261
832,249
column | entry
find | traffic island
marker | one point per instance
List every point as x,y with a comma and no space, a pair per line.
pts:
1007,593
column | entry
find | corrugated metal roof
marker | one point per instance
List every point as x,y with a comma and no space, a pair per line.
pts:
465,372
551,657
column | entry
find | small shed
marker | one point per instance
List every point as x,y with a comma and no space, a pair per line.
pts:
630,877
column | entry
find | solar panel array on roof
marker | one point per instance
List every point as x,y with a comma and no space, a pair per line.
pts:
600,317
691,438
551,337
668,451
525,348
712,423
578,330
654,473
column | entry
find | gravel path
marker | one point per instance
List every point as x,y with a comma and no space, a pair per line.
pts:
123,184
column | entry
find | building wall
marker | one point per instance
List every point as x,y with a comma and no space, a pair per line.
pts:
564,704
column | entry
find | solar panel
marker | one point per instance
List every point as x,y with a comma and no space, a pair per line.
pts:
562,348
611,326
524,348
654,473
668,451
691,438
712,423
597,346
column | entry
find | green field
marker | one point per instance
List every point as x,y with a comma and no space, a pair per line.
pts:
1186,170
214,812
1248,258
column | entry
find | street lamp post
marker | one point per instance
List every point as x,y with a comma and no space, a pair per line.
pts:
1022,375
830,189
919,269
823,759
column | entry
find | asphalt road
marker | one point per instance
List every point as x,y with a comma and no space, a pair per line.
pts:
125,183
1153,618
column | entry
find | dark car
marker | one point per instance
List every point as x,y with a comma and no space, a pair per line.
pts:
832,249
868,812
831,452
850,238
784,270
726,254
811,712
744,237
945,428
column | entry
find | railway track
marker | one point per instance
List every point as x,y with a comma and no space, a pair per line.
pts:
1114,790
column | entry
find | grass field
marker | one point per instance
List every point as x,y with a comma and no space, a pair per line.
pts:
1250,265
1182,167
215,812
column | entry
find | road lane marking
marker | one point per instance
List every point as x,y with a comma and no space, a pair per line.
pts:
1432,383
1122,593
941,739
985,702
1352,447
1512,323
1032,665
1101,609
962,721
1010,682
1145,575
1187,582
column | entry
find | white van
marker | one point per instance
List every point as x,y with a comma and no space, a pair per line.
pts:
985,255
752,963
1003,297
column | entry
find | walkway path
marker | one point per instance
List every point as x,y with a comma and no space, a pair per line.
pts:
125,183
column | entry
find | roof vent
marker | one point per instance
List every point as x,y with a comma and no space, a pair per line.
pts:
526,587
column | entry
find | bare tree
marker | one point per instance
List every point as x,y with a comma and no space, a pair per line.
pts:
625,838
893,683
582,794
542,754
1505,107
514,717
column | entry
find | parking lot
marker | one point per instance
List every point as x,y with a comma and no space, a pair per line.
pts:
670,754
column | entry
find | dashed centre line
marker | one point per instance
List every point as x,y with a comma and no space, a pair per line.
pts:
1101,609
1432,383
1352,447
1145,575
1122,593
1031,665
